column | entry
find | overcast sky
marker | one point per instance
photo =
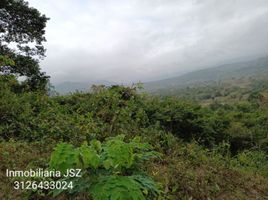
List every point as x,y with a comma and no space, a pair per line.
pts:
132,40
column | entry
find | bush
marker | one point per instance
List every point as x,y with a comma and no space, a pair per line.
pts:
111,170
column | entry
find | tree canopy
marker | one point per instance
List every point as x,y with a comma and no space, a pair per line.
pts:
22,30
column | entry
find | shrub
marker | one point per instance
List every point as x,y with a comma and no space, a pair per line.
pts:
111,170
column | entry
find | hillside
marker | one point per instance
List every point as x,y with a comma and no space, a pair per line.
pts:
199,136
219,73
226,91
133,145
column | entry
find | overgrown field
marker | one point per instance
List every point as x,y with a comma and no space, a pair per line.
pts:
131,145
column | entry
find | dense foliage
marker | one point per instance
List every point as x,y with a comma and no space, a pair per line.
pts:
111,170
24,27
212,139
221,140
119,110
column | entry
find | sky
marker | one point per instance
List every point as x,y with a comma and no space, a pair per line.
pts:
141,40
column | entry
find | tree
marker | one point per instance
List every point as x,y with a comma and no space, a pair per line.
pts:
24,26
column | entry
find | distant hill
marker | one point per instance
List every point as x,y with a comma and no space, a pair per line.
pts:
68,86
199,78
223,72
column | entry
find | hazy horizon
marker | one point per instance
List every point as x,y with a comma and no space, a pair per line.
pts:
130,41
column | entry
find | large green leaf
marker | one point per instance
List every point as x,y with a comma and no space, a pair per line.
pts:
89,156
64,157
116,188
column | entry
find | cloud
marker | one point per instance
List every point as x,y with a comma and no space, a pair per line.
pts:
131,40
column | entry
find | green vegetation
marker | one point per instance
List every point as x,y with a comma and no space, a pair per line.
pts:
252,88
22,30
110,171
217,151
208,142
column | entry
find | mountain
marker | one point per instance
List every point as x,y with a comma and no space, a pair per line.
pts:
68,86
223,72
200,77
